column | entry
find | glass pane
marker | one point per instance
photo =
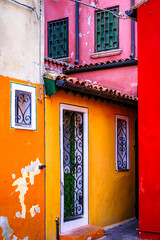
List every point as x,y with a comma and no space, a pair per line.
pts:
110,17
102,17
106,37
110,42
98,38
102,44
98,48
115,22
98,15
115,45
102,31
98,25
110,29
115,35
106,23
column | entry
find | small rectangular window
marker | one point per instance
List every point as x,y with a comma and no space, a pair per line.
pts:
122,143
106,30
23,106
58,38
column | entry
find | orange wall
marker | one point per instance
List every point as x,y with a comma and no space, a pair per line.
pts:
17,149
111,193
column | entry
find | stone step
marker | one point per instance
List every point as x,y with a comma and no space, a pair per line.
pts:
87,232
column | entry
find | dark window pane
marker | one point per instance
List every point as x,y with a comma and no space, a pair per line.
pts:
58,38
106,30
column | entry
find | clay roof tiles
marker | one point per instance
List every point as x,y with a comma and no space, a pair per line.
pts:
136,6
87,84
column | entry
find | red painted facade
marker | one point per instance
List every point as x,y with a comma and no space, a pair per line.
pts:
123,79
149,115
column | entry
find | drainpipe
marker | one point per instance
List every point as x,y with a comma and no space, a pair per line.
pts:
77,33
132,34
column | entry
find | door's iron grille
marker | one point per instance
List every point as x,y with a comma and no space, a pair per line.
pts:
73,164
22,108
121,144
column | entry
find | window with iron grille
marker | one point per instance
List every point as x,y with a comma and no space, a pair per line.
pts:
23,106
106,30
58,38
122,143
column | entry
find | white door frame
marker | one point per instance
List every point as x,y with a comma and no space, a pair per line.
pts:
68,225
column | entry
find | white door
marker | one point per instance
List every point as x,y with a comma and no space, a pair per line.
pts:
74,166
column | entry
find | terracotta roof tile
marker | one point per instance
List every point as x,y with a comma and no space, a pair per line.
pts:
136,6
91,85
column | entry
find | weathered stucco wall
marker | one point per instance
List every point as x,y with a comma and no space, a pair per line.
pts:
111,193
19,41
54,11
22,182
123,79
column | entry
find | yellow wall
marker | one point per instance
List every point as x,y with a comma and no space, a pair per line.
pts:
111,193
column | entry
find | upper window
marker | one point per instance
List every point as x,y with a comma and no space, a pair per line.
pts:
106,30
58,38
122,143
23,106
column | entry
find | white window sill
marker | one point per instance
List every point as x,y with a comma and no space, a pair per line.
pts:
106,53
67,60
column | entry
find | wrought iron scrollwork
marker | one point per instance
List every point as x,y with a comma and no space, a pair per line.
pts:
73,163
22,108
121,144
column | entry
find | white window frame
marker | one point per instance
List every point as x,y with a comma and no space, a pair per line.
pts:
127,120
69,225
32,91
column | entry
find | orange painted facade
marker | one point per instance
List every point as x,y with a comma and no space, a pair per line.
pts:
17,149
111,193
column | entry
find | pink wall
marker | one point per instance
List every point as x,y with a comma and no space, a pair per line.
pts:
149,119
123,79
66,8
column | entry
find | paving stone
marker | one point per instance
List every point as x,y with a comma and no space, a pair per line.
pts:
124,231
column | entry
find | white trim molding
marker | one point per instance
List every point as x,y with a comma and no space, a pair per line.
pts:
83,220
106,53
124,133
26,89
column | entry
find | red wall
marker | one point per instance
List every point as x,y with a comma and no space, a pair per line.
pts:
149,119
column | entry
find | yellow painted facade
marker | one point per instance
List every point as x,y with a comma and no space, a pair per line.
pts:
111,193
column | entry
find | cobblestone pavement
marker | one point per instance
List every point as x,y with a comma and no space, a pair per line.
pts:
126,231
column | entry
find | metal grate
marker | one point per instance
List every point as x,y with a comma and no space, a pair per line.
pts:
122,144
58,38
73,164
107,30
22,108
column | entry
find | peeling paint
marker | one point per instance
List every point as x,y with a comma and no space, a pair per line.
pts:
34,209
86,43
80,34
14,237
13,176
30,172
93,4
79,9
84,34
72,54
88,32
6,230
89,20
